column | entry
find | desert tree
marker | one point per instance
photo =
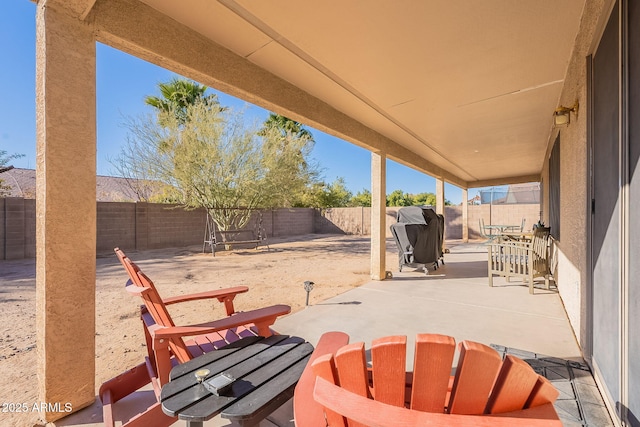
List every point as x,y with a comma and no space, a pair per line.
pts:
361,198
210,157
287,147
171,109
326,195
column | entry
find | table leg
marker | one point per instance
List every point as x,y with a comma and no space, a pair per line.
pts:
194,424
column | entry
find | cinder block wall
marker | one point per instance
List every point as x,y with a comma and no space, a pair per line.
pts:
14,218
342,220
3,239
358,220
349,220
17,228
171,226
116,226
138,226
143,226
292,222
453,222
29,228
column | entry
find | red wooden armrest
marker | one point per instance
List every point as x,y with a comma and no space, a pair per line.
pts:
223,295
360,409
135,289
306,411
262,318
219,293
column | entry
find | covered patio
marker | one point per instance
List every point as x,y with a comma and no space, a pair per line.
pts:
464,92
455,300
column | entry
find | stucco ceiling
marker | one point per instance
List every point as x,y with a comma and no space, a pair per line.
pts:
469,86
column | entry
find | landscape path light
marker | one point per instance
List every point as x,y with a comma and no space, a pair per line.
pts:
308,286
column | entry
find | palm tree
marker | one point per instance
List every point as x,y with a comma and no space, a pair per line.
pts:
287,127
177,94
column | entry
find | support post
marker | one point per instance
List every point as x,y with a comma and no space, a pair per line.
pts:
465,215
439,196
65,209
440,204
378,215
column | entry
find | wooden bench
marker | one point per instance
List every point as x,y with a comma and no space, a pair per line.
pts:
485,390
521,259
228,238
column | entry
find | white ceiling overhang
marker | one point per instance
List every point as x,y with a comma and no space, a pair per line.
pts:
462,90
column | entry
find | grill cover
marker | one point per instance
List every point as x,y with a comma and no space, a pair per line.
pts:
418,235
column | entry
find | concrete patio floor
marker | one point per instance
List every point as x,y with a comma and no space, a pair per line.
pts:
454,300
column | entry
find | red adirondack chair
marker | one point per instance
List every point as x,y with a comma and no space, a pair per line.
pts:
485,391
168,344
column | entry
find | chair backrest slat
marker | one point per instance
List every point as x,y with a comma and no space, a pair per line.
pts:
478,366
390,354
513,386
154,302
481,228
540,241
351,363
161,315
543,392
324,367
130,267
433,358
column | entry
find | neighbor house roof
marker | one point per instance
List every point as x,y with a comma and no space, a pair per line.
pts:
22,183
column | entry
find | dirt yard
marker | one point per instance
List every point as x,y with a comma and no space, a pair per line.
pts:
335,263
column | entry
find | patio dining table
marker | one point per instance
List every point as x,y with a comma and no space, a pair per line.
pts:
497,231
502,228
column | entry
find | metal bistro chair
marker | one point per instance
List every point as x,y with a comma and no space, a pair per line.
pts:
483,232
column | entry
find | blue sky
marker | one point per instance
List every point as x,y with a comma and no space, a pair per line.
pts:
123,81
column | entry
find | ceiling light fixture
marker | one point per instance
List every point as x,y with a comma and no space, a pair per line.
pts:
562,115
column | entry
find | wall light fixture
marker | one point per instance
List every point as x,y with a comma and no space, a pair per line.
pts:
562,115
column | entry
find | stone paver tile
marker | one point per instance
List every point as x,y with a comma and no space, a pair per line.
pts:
583,377
535,363
578,365
588,394
557,373
566,390
571,423
553,360
596,415
568,409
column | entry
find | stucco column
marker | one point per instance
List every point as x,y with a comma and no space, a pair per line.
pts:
65,209
465,215
439,196
378,215
440,202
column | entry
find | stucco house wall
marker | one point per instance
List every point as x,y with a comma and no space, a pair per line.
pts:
571,250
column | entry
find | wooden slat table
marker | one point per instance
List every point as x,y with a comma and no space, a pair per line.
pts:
266,372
